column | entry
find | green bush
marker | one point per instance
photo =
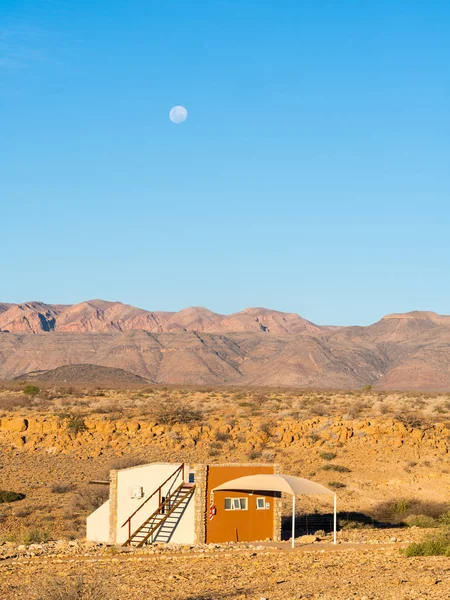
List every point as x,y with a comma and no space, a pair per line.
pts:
337,468
336,485
444,519
327,455
437,544
424,521
76,424
10,496
35,536
31,390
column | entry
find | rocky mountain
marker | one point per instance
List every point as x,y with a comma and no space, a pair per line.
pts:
256,346
97,316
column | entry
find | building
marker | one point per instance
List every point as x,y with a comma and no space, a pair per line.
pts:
164,502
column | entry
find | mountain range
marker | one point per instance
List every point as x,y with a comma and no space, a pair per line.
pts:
256,346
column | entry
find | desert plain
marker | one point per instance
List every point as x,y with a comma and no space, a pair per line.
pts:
385,454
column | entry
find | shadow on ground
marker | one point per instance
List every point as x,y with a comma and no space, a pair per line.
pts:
310,523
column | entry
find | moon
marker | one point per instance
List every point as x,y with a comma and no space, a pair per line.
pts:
178,114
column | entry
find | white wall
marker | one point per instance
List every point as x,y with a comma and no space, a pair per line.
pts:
150,477
97,524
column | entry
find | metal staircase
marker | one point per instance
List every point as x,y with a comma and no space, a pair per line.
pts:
160,525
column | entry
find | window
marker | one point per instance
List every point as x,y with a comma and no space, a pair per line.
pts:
137,492
236,504
191,477
261,504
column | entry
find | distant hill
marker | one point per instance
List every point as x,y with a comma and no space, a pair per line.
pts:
196,346
85,374
99,316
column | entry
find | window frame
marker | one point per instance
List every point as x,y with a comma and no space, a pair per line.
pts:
241,500
263,502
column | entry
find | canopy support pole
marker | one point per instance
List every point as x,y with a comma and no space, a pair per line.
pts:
334,520
293,520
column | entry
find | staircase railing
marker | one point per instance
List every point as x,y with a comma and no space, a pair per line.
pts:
178,497
175,474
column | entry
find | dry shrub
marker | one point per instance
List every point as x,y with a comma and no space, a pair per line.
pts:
222,436
172,412
327,455
35,536
62,488
6,496
9,403
402,510
89,498
254,454
337,468
72,588
116,464
108,407
410,419
336,485
423,521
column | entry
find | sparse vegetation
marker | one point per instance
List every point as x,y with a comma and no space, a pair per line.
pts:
190,425
62,488
173,412
76,424
222,436
436,544
89,498
72,588
327,455
410,511
424,521
336,485
337,468
35,536
31,390
10,496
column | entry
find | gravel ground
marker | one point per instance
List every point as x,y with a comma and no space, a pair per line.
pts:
364,573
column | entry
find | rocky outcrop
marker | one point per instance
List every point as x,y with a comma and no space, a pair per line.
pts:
55,435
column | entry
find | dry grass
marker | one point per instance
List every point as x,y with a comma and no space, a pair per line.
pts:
72,588
169,404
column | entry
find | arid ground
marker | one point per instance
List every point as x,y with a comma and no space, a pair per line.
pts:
385,453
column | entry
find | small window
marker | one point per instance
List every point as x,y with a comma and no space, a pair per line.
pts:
191,477
260,504
137,492
236,504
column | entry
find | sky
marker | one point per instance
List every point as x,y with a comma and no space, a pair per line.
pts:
311,176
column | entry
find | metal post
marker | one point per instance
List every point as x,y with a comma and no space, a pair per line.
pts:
334,520
293,520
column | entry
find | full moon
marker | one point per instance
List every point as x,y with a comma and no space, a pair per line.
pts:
178,114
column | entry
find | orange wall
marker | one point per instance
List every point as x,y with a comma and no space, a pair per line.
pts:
238,525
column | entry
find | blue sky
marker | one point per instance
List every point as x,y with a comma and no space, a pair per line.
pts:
311,176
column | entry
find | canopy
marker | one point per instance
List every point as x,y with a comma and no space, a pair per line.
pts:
275,483
279,483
